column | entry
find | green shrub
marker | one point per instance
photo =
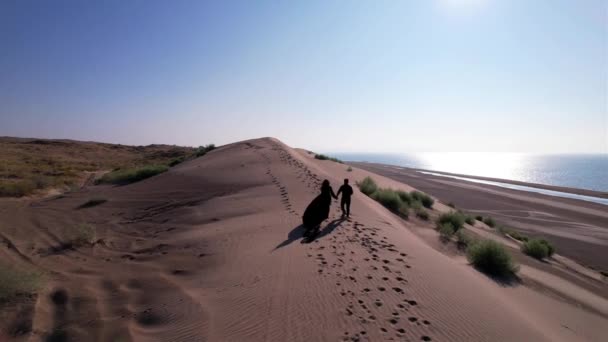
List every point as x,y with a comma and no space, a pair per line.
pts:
469,220
14,281
176,161
492,258
202,150
126,176
489,221
479,218
368,186
550,248
538,248
422,214
324,157
92,203
446,230
426,200
416,205
405,197
454,218
388,198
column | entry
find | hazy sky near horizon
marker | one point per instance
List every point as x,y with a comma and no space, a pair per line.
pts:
334,76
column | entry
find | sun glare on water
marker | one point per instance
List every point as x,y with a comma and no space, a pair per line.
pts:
497,165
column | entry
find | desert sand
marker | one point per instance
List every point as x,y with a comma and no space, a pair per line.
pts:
211,251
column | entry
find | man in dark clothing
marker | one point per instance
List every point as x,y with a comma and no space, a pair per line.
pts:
346,191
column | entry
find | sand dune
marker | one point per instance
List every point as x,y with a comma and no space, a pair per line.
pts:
211,251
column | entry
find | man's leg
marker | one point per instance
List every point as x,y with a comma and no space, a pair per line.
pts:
348,207
343,206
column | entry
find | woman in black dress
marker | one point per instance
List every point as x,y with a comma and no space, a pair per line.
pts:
318,210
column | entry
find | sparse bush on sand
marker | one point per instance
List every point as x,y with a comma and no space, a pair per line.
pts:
550,248
92,203
202,150
446,230
538,248
367,186
454,218
176,161
397,201
388,198
324,157
349,169
422,214
492,258
405,197
451,205
126,176
489,221
426,200
479,218
15,281
469,219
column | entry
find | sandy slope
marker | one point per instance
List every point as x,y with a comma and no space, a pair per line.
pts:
211,251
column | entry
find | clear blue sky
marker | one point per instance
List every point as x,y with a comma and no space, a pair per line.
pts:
427,75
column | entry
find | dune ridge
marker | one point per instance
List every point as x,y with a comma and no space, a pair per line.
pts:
211,251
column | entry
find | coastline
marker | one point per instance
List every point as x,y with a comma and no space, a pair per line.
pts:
578,228
570,190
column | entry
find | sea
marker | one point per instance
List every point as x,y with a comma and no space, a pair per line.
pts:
583,171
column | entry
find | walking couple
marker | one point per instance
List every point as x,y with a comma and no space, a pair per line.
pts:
318,210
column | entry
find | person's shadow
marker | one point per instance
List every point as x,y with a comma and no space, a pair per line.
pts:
330,227
297,233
